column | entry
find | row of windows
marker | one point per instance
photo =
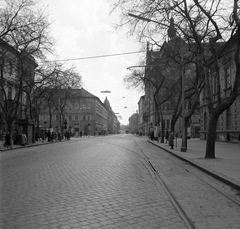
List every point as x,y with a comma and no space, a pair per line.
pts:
226,80
69,117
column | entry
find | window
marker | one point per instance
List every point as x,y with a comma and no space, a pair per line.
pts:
166,106
44,118
76,117
228,119
89,117
168,124
9,93
214,83
70,117
227,77
84,117
10,68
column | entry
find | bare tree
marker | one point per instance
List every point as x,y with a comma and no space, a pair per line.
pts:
208,28
50,77
25,32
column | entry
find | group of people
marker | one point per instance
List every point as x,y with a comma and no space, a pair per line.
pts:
48,135
169,136
13,139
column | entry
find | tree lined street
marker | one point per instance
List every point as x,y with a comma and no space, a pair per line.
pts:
103,182
81,184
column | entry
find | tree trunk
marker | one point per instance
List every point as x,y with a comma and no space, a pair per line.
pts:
163,130
211,136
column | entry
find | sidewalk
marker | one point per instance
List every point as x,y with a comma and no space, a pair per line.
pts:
37,143
226,166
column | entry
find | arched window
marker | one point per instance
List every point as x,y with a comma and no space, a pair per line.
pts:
9,93
10,68
227,76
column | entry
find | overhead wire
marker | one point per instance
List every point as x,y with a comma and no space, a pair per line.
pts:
92,57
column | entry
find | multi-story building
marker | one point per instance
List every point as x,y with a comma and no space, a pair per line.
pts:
142,126
17,76
133,123
228,126
83,113
163,74
159,59
113,123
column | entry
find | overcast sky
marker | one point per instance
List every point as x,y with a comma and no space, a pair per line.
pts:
85,28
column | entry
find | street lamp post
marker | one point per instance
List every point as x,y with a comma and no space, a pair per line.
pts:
58,116
79,121
183,148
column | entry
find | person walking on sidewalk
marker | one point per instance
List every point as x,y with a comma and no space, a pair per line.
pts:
167,136
171,139
8,140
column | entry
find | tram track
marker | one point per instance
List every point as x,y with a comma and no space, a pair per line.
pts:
161,184
189,168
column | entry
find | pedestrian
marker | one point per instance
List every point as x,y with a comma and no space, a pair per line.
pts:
59,136
43,136
171,139
167,136
49,136
239,139
24,139
15,137
159,136
8,140
152,135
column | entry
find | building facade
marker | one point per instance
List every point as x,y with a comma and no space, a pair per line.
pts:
228,126
142,124
113,123
158,63
83,113
17,77
133,124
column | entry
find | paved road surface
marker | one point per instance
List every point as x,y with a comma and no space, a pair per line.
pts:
84,183
104,182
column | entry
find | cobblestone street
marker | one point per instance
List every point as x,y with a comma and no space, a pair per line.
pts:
81,184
